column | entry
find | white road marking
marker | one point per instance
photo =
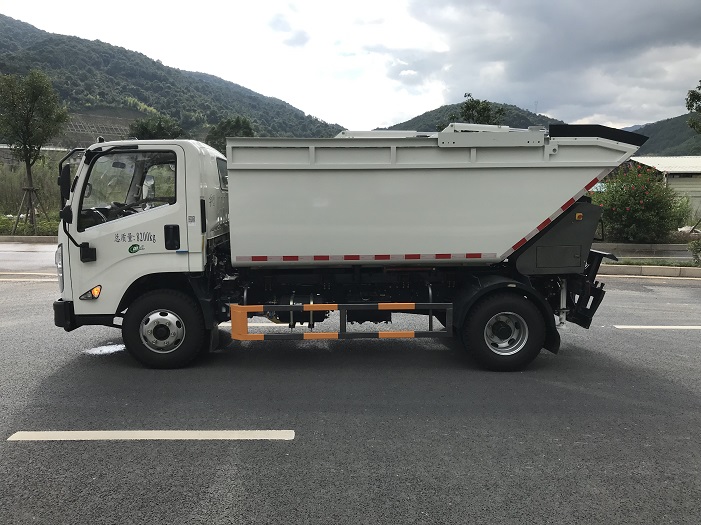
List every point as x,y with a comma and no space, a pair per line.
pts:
653,327
29,280
140,435
104,350
28,273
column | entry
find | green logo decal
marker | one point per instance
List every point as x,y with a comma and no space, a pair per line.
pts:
134,248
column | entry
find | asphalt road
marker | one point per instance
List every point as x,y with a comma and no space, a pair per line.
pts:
410,431
26,258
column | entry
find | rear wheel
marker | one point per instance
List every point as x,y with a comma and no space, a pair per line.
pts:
164,329
504,332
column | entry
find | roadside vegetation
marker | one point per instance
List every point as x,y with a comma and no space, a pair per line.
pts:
695,249
44,226
31,113
639,207
13,179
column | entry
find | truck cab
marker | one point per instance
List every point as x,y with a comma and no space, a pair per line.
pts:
136,213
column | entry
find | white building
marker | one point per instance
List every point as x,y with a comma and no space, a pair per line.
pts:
681,173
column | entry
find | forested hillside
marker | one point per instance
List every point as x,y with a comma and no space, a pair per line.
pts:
92,75
437,119
670,137
667,137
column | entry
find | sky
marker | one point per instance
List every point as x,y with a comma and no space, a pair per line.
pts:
365,64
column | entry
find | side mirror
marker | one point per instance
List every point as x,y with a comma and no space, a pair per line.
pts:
88,190
64,183
66,214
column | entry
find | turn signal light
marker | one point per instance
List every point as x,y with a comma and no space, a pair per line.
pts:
93,293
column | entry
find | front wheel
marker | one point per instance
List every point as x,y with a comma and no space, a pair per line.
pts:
504,332
164,329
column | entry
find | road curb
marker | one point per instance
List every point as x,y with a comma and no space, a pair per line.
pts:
650,271
30,239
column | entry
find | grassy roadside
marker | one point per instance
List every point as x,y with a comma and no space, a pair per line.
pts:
44,226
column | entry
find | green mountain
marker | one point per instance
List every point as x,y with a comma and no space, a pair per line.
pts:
438,119
666,138
670,137
100,80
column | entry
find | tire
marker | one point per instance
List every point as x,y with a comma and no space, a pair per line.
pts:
164,329
504,332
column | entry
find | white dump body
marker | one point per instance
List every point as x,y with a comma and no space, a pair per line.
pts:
466,195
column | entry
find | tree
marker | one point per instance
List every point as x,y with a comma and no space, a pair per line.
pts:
693,103
30,115
477,111
639,207
156,127
229,127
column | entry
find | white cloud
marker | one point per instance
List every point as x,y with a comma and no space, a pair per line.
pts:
279,23
297,39
625,61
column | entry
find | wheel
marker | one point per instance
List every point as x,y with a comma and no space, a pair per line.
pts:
504,332
164,329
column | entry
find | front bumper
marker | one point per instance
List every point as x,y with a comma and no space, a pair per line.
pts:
64,315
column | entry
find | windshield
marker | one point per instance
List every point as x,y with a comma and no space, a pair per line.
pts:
127,182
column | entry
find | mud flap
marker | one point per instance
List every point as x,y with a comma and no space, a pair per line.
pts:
552,339
585,293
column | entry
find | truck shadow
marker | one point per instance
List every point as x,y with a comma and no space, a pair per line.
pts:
324,354
273,377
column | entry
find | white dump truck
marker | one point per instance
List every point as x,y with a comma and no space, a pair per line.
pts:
486,229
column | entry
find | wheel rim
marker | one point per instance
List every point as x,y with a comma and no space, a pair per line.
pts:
506,333
162,331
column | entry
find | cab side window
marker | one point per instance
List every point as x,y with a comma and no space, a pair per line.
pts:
122,183
159,185
223,174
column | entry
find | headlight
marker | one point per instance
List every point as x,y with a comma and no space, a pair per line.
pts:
58,259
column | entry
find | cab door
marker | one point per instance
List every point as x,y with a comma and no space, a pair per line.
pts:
130,222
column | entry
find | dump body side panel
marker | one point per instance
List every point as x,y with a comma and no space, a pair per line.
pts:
404,201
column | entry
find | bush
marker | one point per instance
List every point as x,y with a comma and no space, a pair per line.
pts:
695,249
639,207
44,227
